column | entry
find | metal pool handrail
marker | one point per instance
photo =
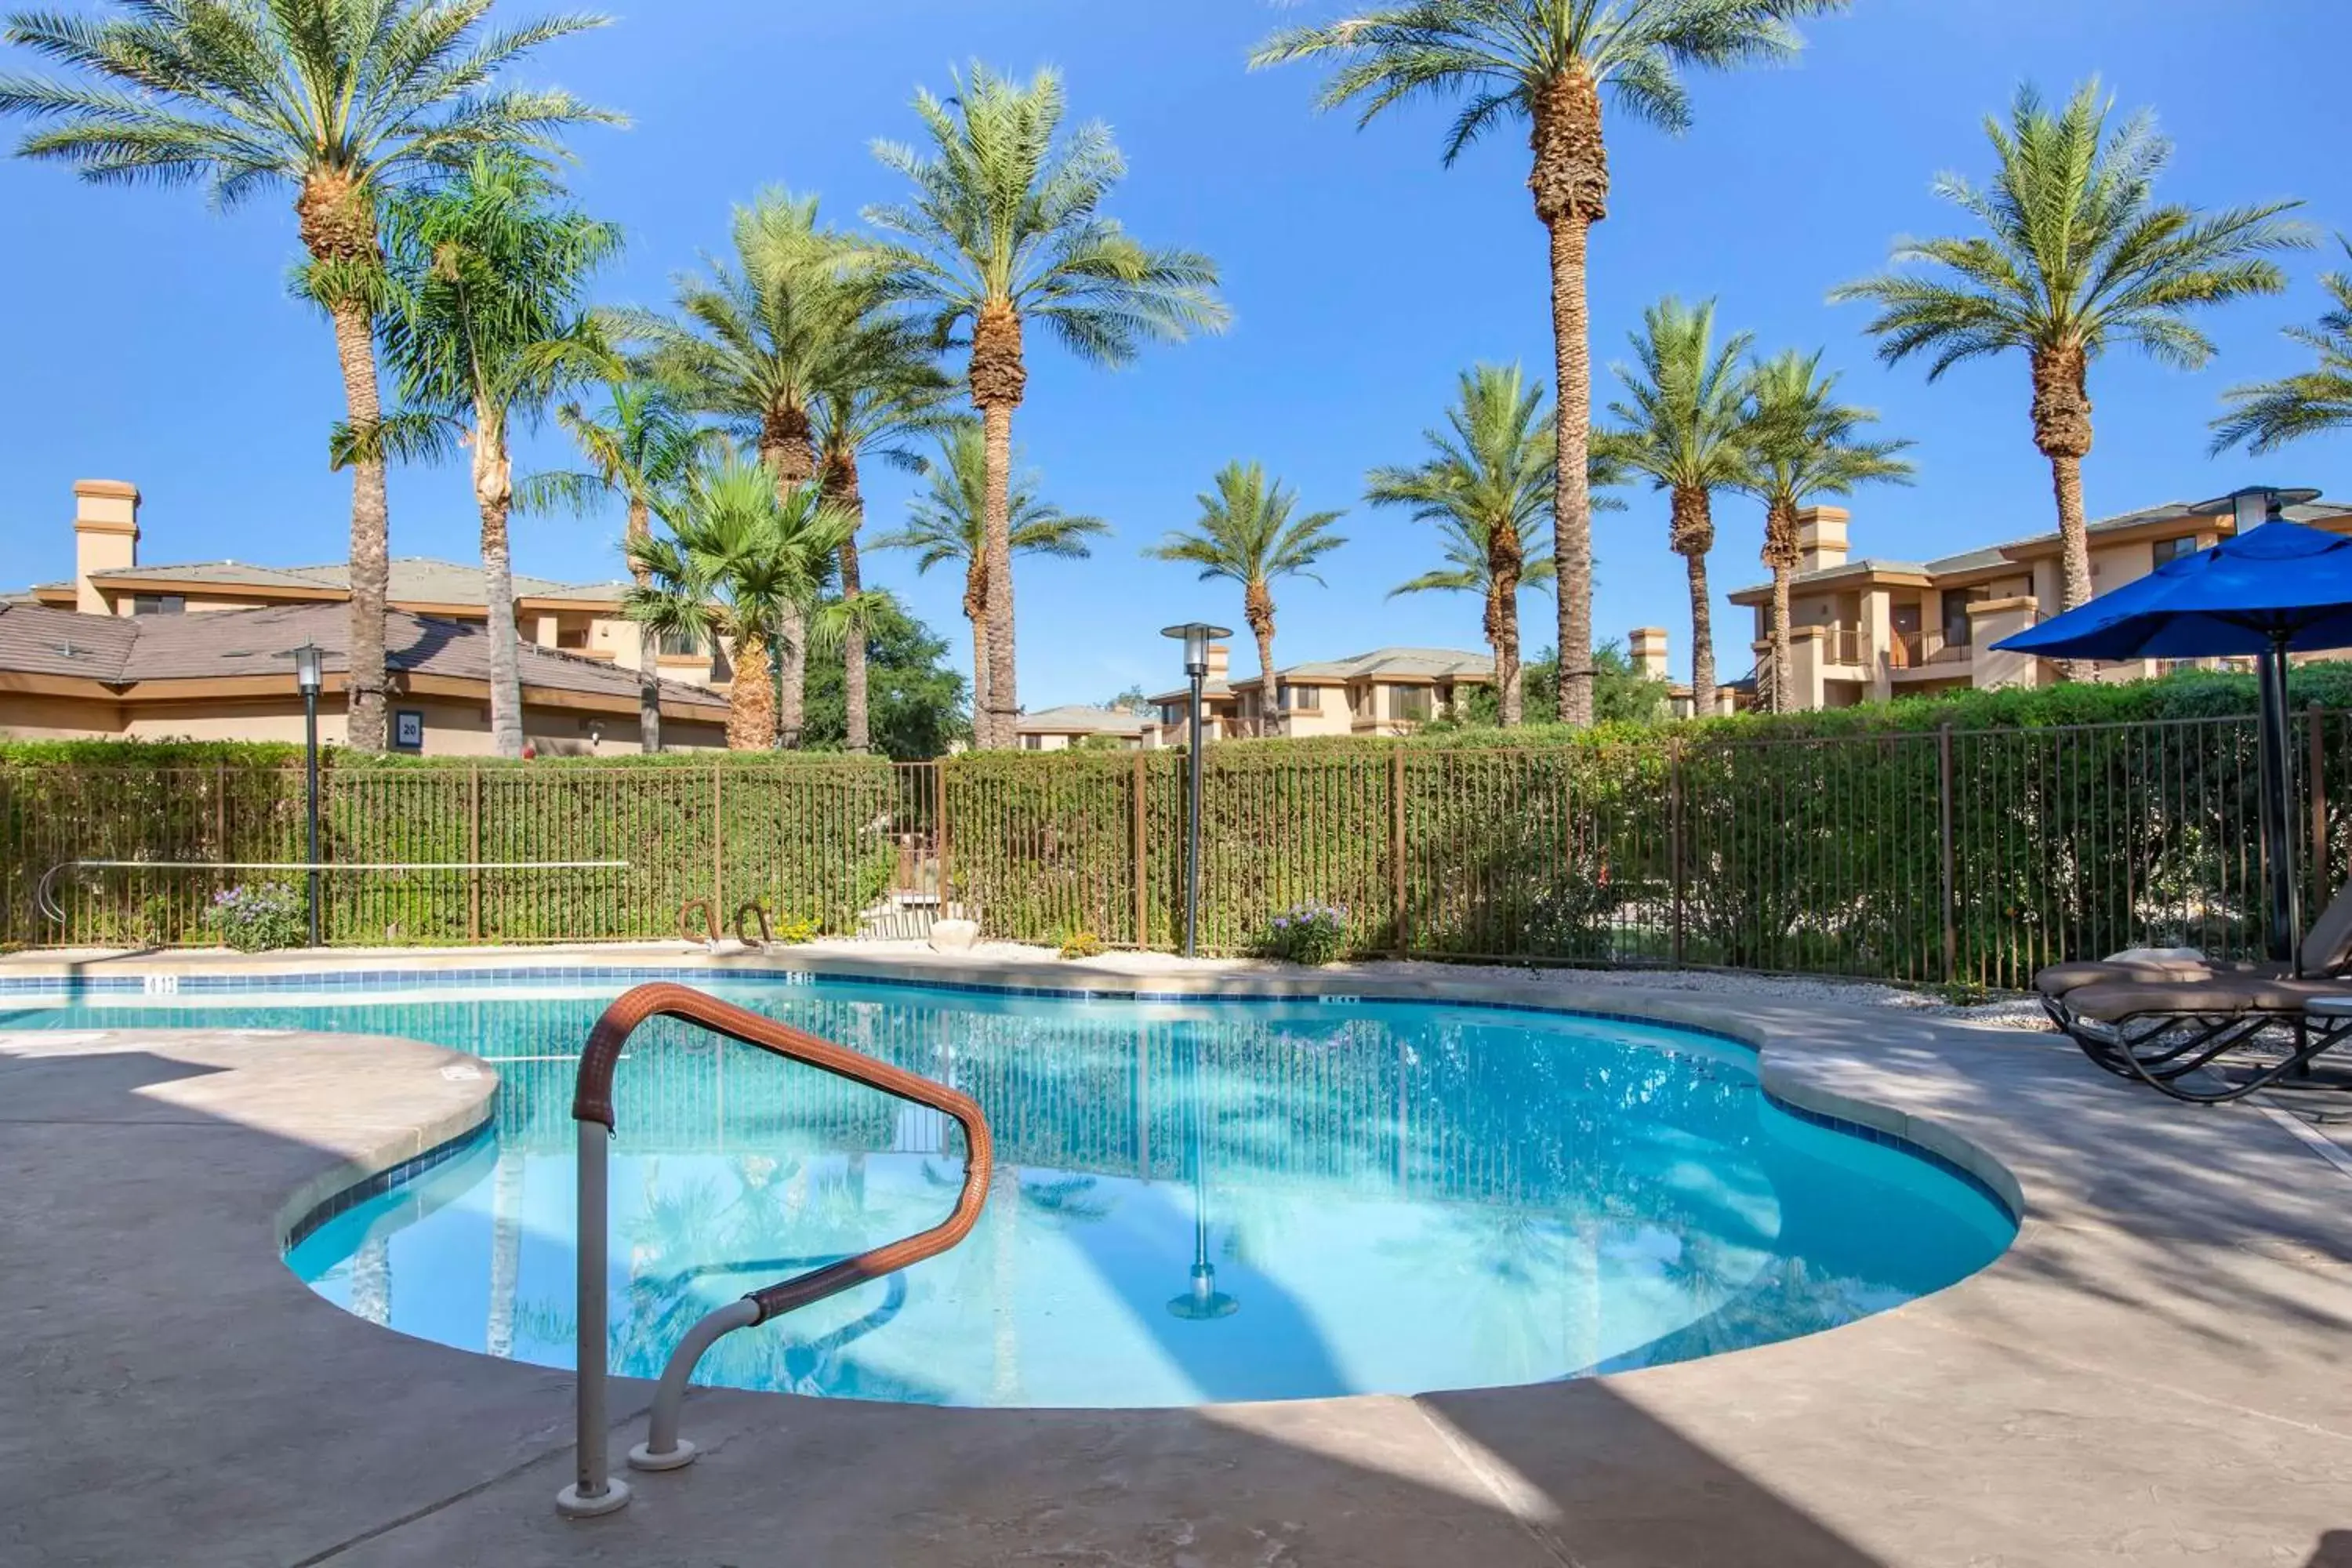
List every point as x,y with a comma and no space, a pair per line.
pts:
595,1491
45,895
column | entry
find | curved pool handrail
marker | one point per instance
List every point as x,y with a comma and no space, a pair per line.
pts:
595,1491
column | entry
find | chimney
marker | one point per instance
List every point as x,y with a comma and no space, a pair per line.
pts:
1221,660
1821,538
106,537
1649,649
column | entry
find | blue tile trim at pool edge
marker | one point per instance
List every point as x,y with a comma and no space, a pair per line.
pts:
384,1181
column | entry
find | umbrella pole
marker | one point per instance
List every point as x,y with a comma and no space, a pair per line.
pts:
2278,788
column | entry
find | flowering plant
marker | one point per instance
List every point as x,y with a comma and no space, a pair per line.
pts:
254,920
1312,934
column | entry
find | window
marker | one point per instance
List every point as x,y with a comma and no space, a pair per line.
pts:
680,644
1957,633
1410,703
2175,549
158,604
1172,713
1302,699
1032,742
573,639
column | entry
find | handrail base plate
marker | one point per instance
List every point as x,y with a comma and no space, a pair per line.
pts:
572,1505
643,1458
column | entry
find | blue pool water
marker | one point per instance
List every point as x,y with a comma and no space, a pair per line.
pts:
1395,1198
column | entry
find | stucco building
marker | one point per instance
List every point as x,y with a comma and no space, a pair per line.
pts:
1389,691
202,651
1870,628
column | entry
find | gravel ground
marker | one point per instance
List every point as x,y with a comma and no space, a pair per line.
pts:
2001,1012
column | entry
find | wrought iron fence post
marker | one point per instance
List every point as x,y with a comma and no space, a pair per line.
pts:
718,840
1946,902
474,852
1674,845
1142,890
1396,850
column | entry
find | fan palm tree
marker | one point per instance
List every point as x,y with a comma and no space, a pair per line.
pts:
893,391
1247,534
1685,427
2077,257
1488,485
1546,64
1806,444
2270,413
340,100
486,325
642,444
949,522
1006,229
757,338
742,562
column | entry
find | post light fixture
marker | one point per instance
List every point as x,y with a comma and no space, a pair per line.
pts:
308,677
1196,636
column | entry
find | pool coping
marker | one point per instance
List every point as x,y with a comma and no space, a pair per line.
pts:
2042,1128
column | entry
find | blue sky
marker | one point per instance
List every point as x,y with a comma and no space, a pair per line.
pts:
151,339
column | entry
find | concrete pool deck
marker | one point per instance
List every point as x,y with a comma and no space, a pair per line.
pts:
2155,1373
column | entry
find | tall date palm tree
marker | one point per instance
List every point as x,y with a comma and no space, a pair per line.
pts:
1006,229
342,101
948,524
1488,485
1546,64
2077,257
1805,444
1248,532
1685,424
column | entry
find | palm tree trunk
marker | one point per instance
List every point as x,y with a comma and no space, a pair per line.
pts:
841,488
1503,636
1570,182
1003,678
1781,555
1571,494
494,494
366,722
751,698
648,640
791,676
1692,536
2062,430
999,379
1784,696
975,610
1257,609
786,449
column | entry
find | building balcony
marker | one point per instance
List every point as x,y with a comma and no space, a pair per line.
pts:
1930,653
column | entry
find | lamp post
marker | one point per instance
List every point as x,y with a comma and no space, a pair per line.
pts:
1196,636
308,677
1203,1301
2253,506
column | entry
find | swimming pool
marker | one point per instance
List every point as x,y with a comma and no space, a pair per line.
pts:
1389,1197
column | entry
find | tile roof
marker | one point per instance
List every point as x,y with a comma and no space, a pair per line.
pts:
1398,663
218,644
1079,719
415,579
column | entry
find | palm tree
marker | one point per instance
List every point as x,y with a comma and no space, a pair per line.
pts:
1007,228
484,325
757,339
2271,413
1686,427
1488,485
894,390
741,563
1245,532
1806,445
1545,63
341,100
2077,257
950,523
643,445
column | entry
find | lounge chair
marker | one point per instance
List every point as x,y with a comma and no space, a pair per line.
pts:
2161,1016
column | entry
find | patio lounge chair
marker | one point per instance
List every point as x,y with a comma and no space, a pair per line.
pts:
2160,1017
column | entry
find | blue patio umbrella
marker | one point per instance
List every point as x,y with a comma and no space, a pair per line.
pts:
2272,589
